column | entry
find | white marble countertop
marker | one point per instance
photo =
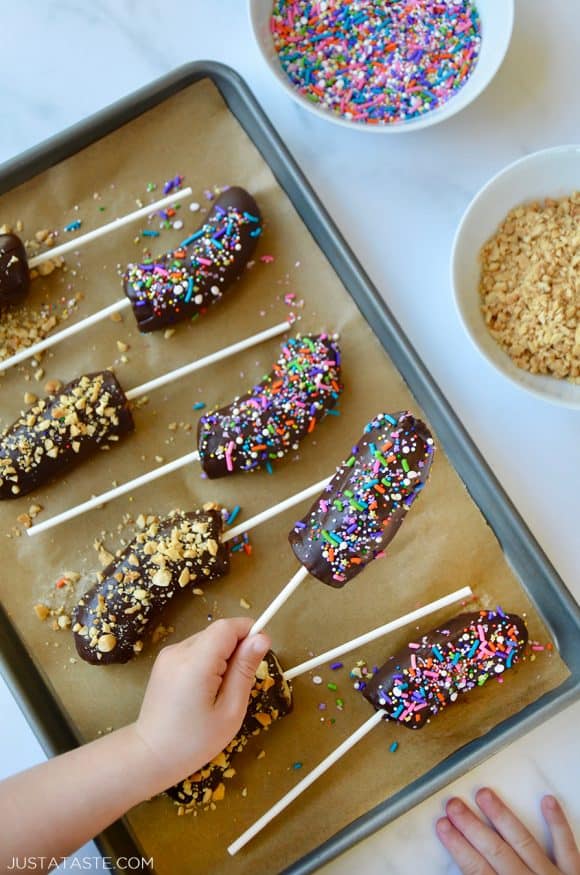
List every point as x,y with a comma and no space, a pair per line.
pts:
397,200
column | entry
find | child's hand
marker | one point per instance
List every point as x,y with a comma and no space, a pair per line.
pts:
196,699
506,847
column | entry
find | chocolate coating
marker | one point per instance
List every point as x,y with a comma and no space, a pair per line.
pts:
183,283
61,430
14,273
169,558
420,681
271,419
364,505
270,699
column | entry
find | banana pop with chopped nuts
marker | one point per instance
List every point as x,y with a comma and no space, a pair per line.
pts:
270,700
112,618
61,430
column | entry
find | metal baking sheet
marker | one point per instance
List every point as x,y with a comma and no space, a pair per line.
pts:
554,602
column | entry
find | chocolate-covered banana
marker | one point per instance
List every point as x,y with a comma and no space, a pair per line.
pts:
59,431
184,282
270,699
14,273
166,559
365,503
431,673
271,419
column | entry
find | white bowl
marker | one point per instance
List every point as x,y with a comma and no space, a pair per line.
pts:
550,173
497,18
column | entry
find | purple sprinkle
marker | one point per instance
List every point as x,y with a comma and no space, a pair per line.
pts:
336,665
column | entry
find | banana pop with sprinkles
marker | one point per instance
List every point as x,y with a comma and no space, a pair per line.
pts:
430,674
183,283
362,507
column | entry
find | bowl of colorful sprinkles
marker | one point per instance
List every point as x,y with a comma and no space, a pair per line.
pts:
383,65
515,271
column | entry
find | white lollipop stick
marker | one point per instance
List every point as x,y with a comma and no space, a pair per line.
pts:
355,643
182,461
75,242
363,730
122,304
276,509
210,359
280,599
306,782
69,331
99,500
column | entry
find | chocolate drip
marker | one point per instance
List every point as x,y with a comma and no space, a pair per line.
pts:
427,676
271,419
59,431
364,505
14,273
170,557
183,283
270,699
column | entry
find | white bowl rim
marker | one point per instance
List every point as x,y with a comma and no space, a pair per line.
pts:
544,394
432,117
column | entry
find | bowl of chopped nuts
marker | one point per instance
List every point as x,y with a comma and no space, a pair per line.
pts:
515,272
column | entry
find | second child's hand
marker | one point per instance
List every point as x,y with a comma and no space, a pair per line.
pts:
506,846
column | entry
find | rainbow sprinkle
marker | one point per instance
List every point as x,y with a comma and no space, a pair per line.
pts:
377,61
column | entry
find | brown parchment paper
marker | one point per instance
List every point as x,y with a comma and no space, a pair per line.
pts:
445,543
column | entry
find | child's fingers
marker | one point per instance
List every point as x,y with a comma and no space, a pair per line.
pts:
565,848
486,841
514,832
204,657
239,677
223,636
467,858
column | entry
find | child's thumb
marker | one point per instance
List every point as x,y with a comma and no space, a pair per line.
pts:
241,672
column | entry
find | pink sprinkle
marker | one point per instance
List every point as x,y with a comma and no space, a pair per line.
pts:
267,259
414,646
205,261
413,661
538,647
229,463
480,632
407,711
431,674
